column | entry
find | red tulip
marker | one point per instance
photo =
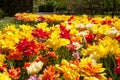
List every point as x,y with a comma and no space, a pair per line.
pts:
64,32
117,70
90,37
28,48
118,38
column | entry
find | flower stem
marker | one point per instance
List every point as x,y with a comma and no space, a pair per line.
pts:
110,72
113,60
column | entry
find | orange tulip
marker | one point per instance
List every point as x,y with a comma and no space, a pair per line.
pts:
14,73
14,55
109,78
26,64
52,54
3,67
50,73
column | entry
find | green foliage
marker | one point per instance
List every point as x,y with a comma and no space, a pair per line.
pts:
46,8
110,64
91,7
62,53
104,7
59,5
51,5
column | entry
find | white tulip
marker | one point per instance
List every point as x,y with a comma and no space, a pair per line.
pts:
35,67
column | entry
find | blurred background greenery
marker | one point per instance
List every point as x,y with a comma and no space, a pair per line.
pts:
8,8
90,7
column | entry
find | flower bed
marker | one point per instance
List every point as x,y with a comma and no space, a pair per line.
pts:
76,48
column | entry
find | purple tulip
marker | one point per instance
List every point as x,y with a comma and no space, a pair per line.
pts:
76,55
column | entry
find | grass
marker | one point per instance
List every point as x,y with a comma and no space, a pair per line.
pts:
7,21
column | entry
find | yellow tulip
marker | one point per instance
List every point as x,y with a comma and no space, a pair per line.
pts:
43,26
89,67
4,76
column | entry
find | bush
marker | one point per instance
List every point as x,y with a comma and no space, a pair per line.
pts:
46,8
